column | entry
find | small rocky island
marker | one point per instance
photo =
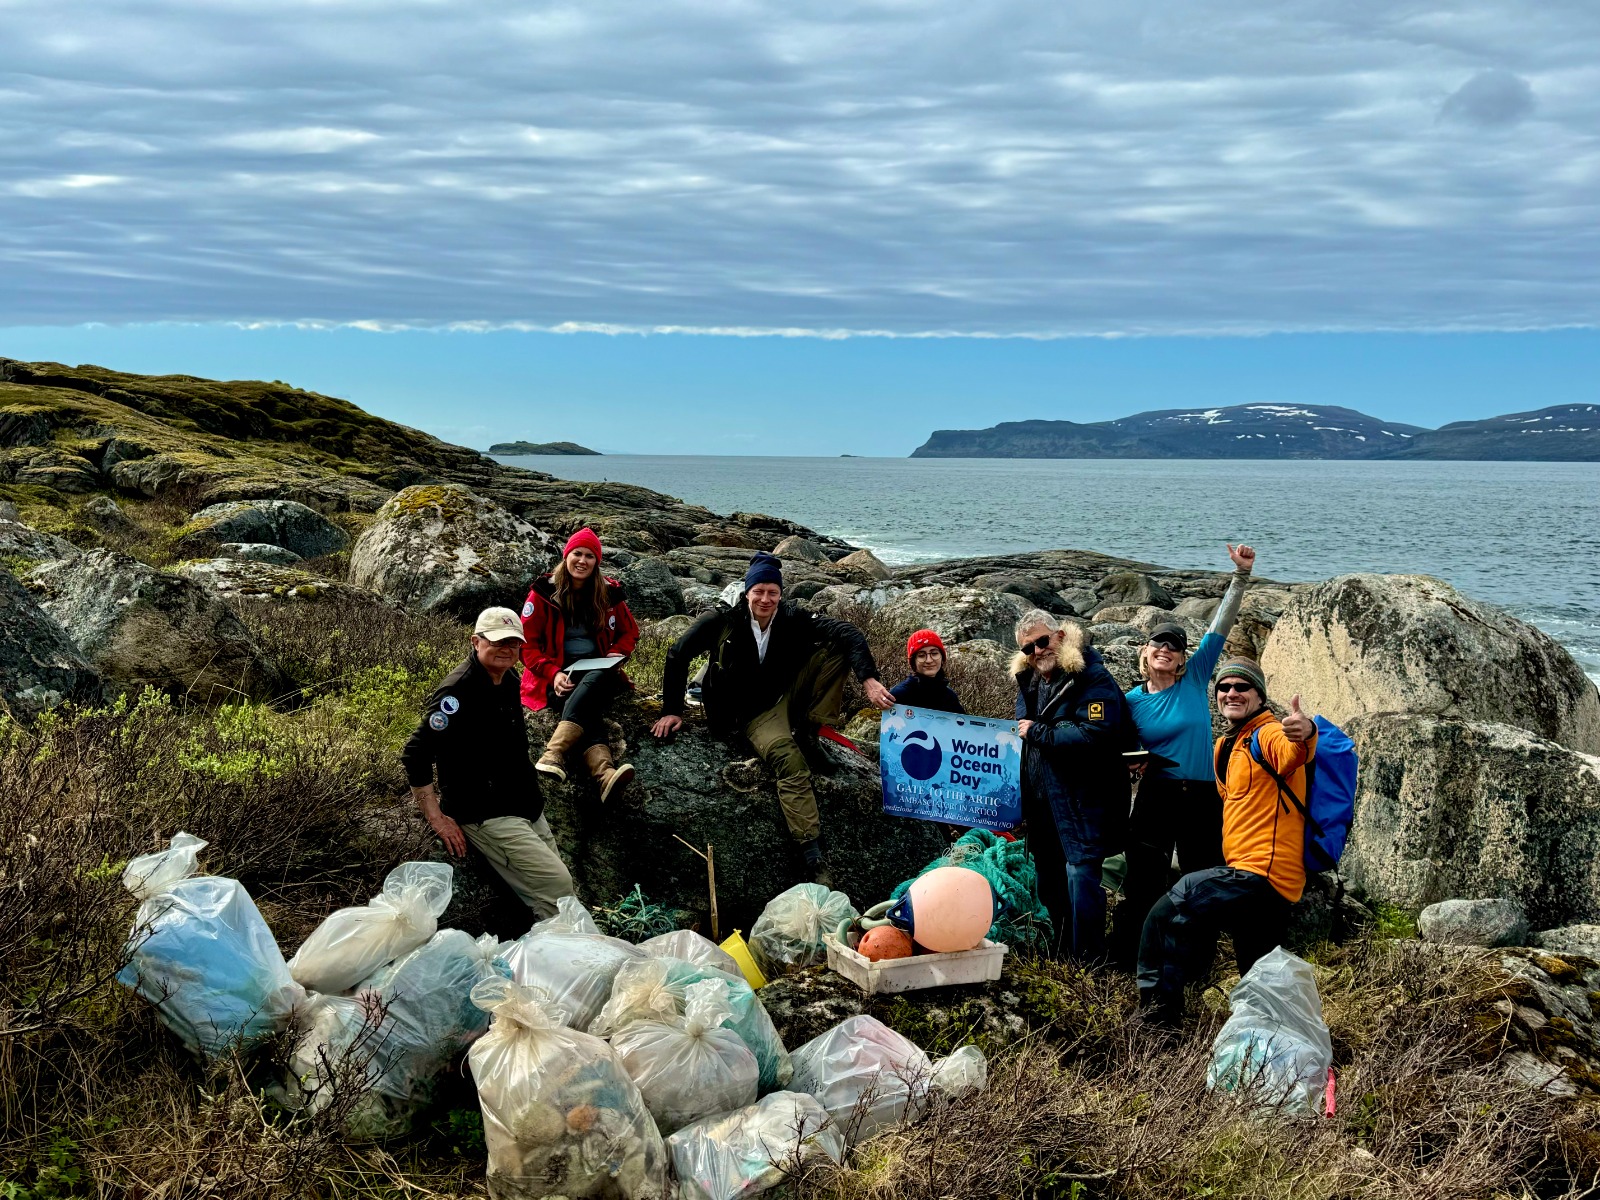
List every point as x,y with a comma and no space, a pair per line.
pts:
224,601
522,449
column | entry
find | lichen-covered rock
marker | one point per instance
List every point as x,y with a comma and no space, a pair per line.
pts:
251,579
1132,587
1474,923
1569,939
1145,617
1410,643
443,548
956,614
23,426
103,513
707,789
266,552
39,665
1034,593
24,542
140,626
284,523
1459,808
653,590
60,469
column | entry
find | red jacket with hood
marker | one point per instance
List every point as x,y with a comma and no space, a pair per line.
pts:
544,634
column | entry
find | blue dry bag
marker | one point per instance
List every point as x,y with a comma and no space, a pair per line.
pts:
1330,803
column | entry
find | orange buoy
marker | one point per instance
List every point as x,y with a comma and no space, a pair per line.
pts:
885,942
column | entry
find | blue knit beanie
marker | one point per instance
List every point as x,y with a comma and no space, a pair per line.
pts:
764,568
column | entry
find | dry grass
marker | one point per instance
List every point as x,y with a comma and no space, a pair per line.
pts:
1092,1104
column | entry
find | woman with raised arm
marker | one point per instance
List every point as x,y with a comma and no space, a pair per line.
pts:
1177,806
576,613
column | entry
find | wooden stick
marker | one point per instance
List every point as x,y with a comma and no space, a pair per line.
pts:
701,853
711,882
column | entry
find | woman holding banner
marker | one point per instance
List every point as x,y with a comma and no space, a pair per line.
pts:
1178,805
572,614
1074,726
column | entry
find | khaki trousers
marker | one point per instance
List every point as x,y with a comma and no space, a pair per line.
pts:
815,697
524,853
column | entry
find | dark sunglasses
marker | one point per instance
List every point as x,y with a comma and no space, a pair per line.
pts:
1038,644
1235,687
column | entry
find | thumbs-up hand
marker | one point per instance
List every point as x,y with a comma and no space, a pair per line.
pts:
1243,557
1298,726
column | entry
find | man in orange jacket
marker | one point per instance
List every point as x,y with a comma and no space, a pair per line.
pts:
1263,843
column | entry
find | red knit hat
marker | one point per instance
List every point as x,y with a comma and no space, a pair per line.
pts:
921,640
585,537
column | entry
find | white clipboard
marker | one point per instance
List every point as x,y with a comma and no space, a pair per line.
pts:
595,664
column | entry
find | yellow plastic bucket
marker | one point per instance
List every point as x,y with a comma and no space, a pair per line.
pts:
735,945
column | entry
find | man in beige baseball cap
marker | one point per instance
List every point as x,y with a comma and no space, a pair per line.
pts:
487,792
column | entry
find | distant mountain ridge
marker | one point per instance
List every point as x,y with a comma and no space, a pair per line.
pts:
1563,433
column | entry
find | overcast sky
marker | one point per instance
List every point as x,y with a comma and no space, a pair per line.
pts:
997,168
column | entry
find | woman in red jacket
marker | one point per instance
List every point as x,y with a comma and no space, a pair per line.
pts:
574,613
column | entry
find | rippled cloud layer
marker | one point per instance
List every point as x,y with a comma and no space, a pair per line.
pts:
898,166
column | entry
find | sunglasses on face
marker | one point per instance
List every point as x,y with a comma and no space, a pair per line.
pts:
1235,687
1038,644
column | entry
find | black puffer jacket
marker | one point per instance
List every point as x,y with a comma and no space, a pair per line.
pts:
739,685
1073,772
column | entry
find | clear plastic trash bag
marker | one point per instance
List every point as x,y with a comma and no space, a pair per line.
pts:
691,947
866,1075
568,957
690,1067
790,933
1274,1046
745,1152
354,942
960,1073
560,1115
201,953
657,988
397,1034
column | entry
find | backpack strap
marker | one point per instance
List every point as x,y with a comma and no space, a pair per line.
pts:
1283,784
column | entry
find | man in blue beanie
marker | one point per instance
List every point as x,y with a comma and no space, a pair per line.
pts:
776,670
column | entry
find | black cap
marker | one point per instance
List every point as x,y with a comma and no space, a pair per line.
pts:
1169,633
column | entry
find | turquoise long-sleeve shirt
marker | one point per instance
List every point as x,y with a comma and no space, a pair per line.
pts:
1176,723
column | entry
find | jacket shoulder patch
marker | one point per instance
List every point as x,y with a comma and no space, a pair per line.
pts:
527,609
1097,710
438,721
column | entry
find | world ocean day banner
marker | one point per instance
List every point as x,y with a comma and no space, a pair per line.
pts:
939,766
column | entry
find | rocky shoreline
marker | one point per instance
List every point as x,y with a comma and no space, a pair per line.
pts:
133,537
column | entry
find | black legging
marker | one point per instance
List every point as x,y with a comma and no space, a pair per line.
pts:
586,703
1185,814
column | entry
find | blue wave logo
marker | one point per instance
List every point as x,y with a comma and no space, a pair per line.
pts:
921,757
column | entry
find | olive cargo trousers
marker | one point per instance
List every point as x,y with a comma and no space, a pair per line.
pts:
814,698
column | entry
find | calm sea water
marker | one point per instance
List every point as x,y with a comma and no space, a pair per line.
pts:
1522,535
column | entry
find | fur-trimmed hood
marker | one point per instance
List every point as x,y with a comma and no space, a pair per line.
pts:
1070,656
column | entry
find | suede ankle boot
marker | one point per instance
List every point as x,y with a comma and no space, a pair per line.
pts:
553,760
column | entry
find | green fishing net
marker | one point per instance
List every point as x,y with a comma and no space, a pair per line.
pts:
1009,869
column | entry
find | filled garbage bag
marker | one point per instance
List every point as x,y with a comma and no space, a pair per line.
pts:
690,1067
961,1073
745,1152
1274,1046
560,1115
691,947
396,1035
657,988
354,942
568,957
789,934
865,1074
201,953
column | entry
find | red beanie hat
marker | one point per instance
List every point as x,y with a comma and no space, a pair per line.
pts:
921,640
586,538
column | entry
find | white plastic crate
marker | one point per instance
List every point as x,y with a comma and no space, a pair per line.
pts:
920,970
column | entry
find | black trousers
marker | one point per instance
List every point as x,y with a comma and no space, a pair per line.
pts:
1180,935
1168,814
587,702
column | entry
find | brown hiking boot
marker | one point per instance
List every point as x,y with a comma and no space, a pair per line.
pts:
553,760
611,780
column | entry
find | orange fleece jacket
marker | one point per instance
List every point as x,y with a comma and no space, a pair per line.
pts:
1261,833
